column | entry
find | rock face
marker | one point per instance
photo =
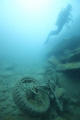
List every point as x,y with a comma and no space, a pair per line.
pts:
68,66
71,44
53,60
66,55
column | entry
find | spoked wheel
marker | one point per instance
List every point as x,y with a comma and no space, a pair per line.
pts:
50,75
29,98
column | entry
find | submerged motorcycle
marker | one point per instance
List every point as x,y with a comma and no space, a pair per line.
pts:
34,98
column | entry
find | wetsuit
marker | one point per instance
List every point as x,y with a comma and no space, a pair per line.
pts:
62,19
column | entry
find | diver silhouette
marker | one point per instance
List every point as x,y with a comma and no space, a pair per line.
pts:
63,18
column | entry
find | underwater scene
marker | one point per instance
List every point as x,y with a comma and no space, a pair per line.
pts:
40,60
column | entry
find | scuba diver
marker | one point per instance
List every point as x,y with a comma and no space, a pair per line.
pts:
63,18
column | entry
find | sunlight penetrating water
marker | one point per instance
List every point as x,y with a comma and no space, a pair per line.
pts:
25,25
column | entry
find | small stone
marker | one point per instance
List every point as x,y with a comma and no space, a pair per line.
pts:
59,91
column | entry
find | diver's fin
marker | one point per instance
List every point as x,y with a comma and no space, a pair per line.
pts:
47,40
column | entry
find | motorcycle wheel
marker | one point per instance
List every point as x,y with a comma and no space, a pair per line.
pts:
29,98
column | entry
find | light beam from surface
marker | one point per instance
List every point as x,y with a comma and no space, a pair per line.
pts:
33,5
